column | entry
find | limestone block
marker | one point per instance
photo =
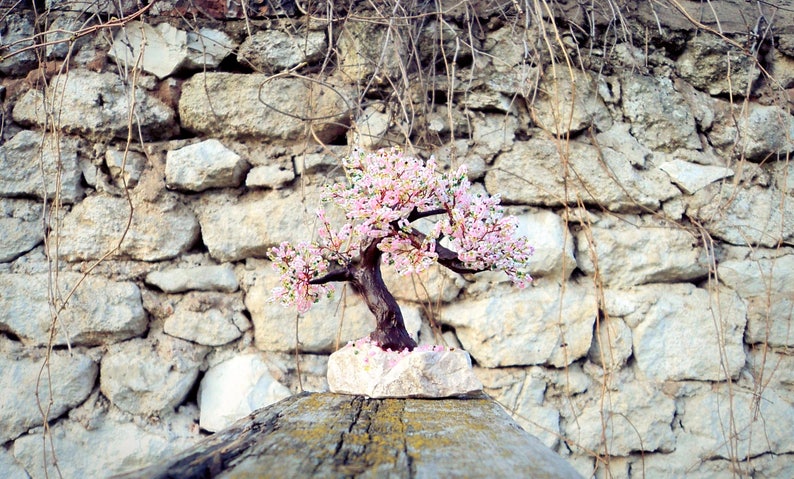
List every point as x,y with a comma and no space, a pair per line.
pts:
765,133
767,287
433,284
207,47
204,165
362,368
611,346
370,129
10,467
129,166
536,325
269,176
691,177
109,7
198,278
492,134
70,377
367,50
99,312
20,227
273,50
532,173
160,50
619,138
659,115
158,230
249,105
98,107
27,154
633,250
671,321
18,33
208,318
553,243
149,377
567,102
235,388
714,65
771,367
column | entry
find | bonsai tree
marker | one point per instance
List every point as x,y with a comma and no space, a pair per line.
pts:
385,194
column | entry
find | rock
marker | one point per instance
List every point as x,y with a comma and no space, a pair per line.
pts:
108,7
362,368
671,321
540,324
70,378
27,154
98,107
431,285
207,48
198,278
213,319
369,52
273,50
204,165
235,388
553,243
781,68
492,134
611,346
149,377
770,367
567,102
160,50
691,177
125,167
765,133
269,176
19,31
242,106
714,65
619,138
158,230
659,115
370,129
532,173
59,39
507,54
20,227
107,443
766,286
636,418
10,467
631,250
99,312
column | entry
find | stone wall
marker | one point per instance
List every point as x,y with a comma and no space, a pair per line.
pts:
151,155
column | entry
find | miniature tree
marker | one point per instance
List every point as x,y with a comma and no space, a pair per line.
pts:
386,192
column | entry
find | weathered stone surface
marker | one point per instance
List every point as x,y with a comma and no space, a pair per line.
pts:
198,278
553,243
10,467
770,367
160,50
125,167
671,321
532,173
102,442
70,377
24,157
95,226
659,115
328,435
370,129
212,319
567,102
691,177
244,106
99,312
273,50
633,250
367,51
767,287
235,388
363,368
204,165
109,7
207,48
492,134
20,227
269,176
98,107
612,346
714,65
540,324
18,34
433,284
149,377
638,417
765,133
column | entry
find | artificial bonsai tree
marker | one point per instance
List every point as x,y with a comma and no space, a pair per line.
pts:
385,194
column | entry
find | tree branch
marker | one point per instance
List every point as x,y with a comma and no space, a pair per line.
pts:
339,274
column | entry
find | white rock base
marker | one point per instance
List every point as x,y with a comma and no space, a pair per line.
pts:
362,368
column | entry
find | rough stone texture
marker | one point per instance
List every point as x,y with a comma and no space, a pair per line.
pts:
24,157
525,327
160,50
242,106
212,319
20,227
98,107
433,284
204,165
671,321
363,368
10,467
95,226
712,64
269,176
274,50
612,345
367,51
198,278
149,377
99,312
532,173
18,31
634,250
767,287
568,102
765,133
70,377
207,48
125,167
235,388
691,177
553,243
